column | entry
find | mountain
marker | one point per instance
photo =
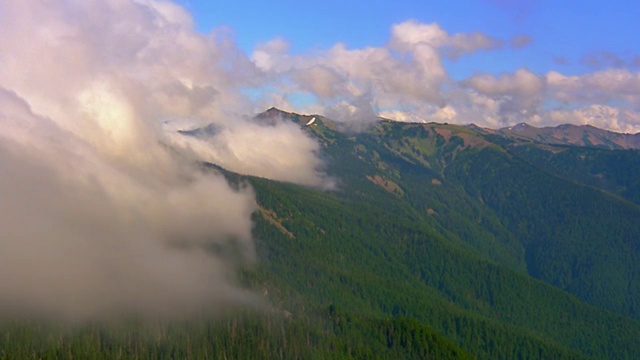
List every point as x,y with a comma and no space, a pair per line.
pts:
567,134
441,241
563,214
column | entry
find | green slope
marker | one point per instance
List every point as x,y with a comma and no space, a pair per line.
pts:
615,171
576,237
440,242
485,198
560,214
374,262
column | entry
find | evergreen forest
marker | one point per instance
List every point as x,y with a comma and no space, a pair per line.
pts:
439,241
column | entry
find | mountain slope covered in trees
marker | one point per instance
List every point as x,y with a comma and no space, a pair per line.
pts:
440,241
566,215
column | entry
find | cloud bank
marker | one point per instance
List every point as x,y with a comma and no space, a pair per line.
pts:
87,237
105,212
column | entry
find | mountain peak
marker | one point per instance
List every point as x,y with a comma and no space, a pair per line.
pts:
272,112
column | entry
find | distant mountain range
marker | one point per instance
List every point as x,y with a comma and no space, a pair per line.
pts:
578,135
565,134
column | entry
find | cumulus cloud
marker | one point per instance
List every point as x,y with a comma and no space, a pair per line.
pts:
519,95
427,114
269,55
623,120
407,80
600,86
105,211
411,34
322,80
607,99
352,85
87,238
240,147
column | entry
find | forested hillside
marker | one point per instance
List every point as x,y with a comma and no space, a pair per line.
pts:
565,215
439,241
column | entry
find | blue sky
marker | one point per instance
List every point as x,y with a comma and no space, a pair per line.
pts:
564,34
494,63
490,62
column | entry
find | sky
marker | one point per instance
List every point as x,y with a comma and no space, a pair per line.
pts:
106,211
562,33
583,55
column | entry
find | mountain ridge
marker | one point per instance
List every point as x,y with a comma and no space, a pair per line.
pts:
564,134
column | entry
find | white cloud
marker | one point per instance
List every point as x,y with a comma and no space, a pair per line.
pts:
411,34
407,80
608,117
241,148
321,80
359,81
104,214
84,237
606,99
523,83
600,86
266,55
518,95
402,116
